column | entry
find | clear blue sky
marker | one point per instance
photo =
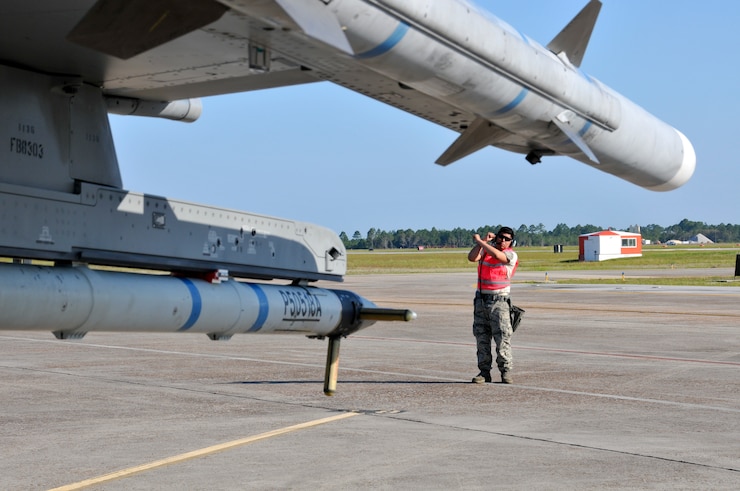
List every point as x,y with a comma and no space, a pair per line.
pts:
323,154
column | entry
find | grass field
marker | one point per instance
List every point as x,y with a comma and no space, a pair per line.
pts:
396,261
544,259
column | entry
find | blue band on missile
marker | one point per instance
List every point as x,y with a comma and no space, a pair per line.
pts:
197,305
585,128
582,132
388,44
264,307
517,100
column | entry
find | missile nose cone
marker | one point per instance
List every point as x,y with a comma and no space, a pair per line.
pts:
685,171
689,162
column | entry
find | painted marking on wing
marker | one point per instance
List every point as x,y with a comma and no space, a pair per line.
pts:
388,44
201,453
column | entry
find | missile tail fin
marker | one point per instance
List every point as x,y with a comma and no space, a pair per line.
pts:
479,134
574,37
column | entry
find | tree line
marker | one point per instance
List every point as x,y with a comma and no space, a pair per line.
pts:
532,235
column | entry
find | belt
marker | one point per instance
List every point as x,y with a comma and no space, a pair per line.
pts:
490,295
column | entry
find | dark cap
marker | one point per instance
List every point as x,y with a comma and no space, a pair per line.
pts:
506,230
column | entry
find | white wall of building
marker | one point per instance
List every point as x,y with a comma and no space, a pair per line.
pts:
602,247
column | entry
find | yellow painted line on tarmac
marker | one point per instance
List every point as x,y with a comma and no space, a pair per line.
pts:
200,453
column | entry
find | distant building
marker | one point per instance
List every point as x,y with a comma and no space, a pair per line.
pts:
609,244
700,239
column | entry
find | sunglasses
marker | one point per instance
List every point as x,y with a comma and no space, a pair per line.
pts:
503,237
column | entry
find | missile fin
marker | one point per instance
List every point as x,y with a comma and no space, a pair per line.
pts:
562,121
479,134
574,37
315,19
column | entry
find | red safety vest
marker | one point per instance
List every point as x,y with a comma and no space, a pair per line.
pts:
493,274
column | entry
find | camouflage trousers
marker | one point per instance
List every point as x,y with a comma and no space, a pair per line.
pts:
492,320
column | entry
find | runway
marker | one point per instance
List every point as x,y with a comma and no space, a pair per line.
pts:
615,387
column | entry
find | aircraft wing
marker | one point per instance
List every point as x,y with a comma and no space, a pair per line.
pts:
210,60
233,53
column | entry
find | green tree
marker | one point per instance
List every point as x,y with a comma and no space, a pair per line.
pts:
371,234
345,240
532,235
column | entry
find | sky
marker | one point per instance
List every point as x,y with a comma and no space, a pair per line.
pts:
323,154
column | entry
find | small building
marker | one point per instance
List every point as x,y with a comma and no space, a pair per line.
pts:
609,244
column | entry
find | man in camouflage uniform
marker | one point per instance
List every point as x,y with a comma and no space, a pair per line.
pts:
497,263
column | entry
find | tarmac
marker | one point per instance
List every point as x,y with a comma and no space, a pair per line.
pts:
615,387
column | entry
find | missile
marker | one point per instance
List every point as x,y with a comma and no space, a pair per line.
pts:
73,300
464,68
512,83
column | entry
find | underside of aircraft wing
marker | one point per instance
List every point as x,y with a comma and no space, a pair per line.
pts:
125,28
194,61
203,50
234,53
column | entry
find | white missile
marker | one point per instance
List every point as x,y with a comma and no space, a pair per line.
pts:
475,74
74,300
511,82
